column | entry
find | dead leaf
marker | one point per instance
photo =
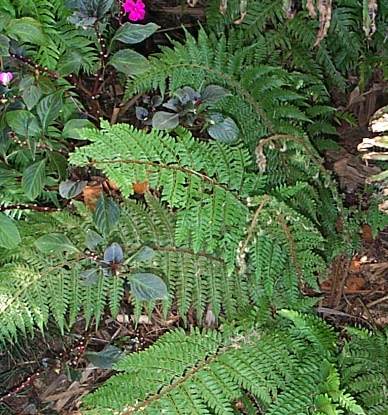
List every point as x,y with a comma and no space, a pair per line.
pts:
369,17
243,11
143,319
192,3
91,193
113,185
367,234
352,173
325,9
140,187
311,8
355,265
354,284
290,8
122,318
223,6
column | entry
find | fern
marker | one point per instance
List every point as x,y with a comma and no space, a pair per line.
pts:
67,49
265,99
290,42
208,372
364,367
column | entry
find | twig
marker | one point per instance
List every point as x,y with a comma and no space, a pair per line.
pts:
378,301
23,206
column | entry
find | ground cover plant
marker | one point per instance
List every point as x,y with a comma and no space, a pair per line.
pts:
183,182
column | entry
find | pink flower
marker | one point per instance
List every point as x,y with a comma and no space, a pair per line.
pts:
135,9
6,78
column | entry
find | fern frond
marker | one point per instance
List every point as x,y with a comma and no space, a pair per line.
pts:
207,372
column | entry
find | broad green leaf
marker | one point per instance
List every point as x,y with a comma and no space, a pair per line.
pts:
223,129
72,128
27,29
58,163
23,123
6,7
93,239
147,287
213,93
144,254
69,189
9,234
129,62
106,214
4,45
31,96
135,33
33,179
70,62
55,242
48,109
89,276
106,358
163,120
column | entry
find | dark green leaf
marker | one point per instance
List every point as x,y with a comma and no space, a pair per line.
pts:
144,254
4,45
163,120
147,287
9,234
73,128
58,163
69,189
223,129
89,276
93,239
48,109
27,29
129,62
106,214
31,96
55,242
106,358
23,123
186,95
135,33
114,253
33,179
213,93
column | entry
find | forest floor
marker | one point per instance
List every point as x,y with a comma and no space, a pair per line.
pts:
50,375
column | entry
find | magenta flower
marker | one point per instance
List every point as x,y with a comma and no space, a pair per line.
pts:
135,9
6,78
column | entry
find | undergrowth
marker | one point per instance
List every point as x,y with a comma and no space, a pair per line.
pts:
232,234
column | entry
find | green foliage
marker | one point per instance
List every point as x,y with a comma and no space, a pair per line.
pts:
364,367
287,370
263,99
290,41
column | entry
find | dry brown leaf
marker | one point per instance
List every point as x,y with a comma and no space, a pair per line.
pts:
140,187
367,234
243,11
354,284
91,193
192,3
223,6
113,185
355,265
325,9
369,17
310,5
290,8
122,318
